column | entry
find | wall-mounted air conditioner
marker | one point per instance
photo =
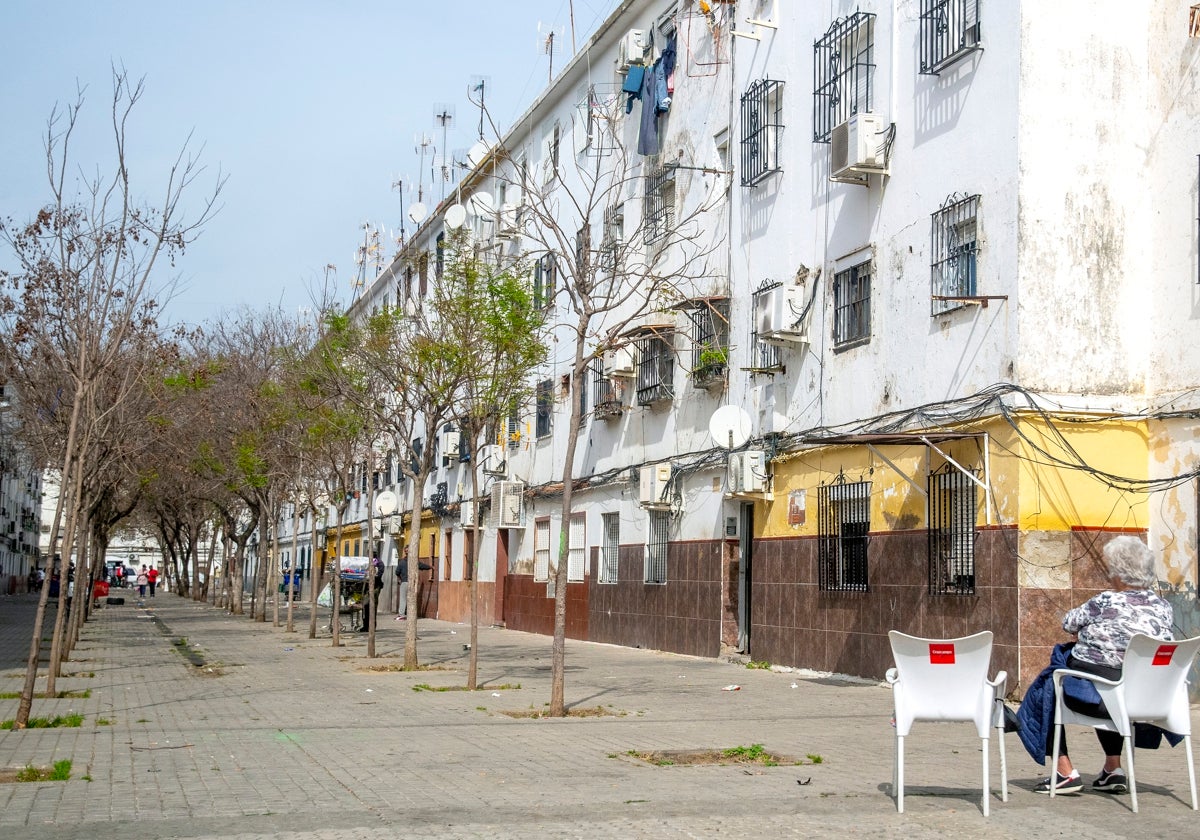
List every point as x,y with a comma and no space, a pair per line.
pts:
859,146
619,361
508,504
776,312
492,460
747,471
466,513
652,485
450,443
631,49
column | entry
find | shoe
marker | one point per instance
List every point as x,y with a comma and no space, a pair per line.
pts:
1114,782
1062,784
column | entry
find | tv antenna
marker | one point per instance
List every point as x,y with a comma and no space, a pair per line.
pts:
443,118
476,94
546,43
399,186
424,145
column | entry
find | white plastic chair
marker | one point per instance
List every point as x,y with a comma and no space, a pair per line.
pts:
1152,689
946,680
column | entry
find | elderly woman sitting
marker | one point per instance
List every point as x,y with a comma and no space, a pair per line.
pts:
1102,628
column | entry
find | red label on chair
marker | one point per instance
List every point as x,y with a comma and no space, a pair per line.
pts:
941,654
1163,655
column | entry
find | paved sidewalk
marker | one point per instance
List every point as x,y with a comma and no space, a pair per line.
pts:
279,736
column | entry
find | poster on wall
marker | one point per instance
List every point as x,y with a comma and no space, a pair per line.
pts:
796,500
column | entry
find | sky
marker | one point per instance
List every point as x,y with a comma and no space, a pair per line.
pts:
313,111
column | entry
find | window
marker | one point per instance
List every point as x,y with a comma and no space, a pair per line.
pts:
656,367
656,546
614,236
844,518
762,129
843,72
610,523
468,551
583,244
949,31
550,148
710,339
583,396
658,214
545,408
545,276
852,305
423,274
608,398
514,428
541,550
766,355
952,517
577,552
439,256
954,247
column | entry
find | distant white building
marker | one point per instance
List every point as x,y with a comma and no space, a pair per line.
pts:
20,504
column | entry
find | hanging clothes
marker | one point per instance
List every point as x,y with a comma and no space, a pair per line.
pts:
633,84
668,59
648,126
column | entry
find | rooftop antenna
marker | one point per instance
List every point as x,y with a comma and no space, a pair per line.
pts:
547,44
424,144
476,94
399,186
443,117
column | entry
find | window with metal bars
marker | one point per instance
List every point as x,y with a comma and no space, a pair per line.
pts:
583,397
655,368
611,524
545,278
611,241
710,339
952,516
541,549
843,73
577,550
423,275
844,520
950,30
852,305
658,212
762,130
658,533
545,408
439,256
954,247
607,396
514,427
767,356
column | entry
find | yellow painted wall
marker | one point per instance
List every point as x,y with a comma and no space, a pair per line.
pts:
1028,488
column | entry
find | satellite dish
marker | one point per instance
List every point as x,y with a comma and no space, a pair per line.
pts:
455,216
481,204
729,426
477,153
417,213
385,503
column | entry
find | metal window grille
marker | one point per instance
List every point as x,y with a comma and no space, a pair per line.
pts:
439,256
659,527
710,337
658,214
545,276
614,237
954,247
844,520
762,130
843,72
514,428
655,369
583,243
949,30
541,550
766,356
953,504
583,397
607,397
852,304
545,407
577,550
611,523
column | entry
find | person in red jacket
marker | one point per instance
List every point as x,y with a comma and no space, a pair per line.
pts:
152,577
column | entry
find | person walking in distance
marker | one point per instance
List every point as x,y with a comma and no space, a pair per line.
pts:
402,577
152,579
142,580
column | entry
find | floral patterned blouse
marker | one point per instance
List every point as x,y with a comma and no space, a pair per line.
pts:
1107,622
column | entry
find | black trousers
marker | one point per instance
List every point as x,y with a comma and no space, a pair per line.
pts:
1110,742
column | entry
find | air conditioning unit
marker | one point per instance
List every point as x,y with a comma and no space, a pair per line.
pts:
859,146
775,314
451,441
747,471
466,513
508,504
652,485
492,460
619,361
631,49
